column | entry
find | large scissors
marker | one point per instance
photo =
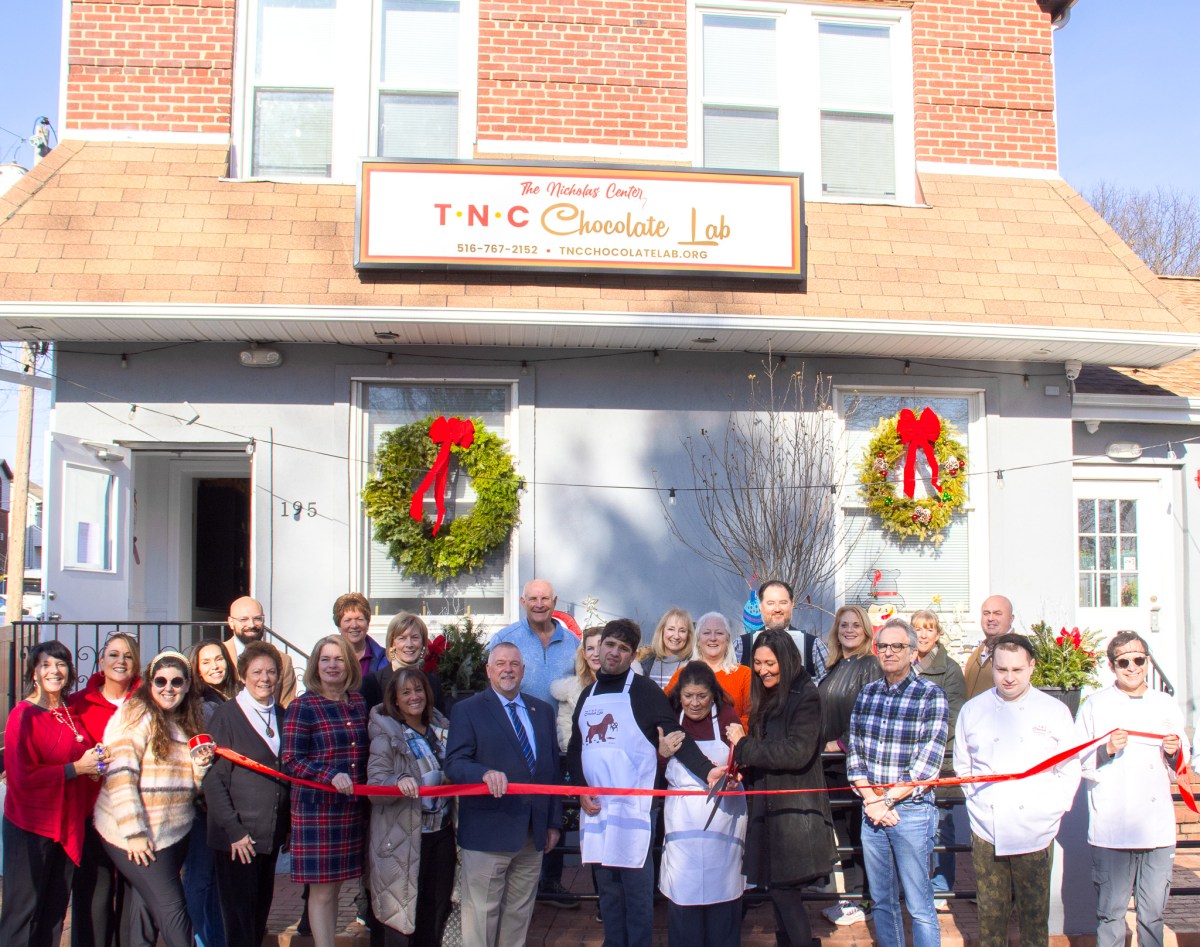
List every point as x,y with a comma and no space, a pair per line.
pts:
719,787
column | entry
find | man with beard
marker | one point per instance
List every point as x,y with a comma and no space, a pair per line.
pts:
247,623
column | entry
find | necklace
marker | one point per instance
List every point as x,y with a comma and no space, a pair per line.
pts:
58,715
266,719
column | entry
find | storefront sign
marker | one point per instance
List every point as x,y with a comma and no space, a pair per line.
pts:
554,217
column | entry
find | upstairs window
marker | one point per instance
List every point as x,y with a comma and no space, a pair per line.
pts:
822,90
328,81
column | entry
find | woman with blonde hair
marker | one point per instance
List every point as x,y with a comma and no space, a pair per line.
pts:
405,644
566,690
325,740
851,666
671,647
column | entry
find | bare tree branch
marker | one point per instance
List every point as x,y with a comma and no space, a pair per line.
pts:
1162,226
768,491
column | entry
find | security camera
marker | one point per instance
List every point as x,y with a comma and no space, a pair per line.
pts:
1073,368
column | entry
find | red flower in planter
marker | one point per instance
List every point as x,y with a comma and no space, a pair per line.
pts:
433,654
1074,636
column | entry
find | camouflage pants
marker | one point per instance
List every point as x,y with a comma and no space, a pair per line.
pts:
1001,880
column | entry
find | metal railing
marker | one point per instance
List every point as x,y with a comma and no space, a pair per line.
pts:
86,640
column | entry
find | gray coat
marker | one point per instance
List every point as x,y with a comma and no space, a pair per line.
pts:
394,841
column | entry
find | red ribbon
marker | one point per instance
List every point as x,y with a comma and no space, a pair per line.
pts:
540,789
454,432
918,434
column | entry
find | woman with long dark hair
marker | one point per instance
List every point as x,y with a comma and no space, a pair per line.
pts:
411,849
789,842
702,860
145,810
98,893
45,806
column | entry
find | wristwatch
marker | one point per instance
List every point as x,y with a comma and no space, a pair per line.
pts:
888,801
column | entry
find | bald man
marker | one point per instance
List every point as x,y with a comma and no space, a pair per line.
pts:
247,622
995,618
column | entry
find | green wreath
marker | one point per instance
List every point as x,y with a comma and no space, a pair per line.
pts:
925,518
405,455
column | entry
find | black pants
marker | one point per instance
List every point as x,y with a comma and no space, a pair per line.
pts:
792,928
435,884
704,925
159,885
94,904
847,820
37,887
245,892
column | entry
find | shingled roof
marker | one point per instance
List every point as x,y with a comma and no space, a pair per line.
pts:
130,223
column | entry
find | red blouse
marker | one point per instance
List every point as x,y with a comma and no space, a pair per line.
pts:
40,799
92,711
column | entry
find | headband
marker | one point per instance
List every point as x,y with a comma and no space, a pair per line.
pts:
165,654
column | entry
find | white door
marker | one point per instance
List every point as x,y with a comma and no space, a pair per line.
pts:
86,543
1125,559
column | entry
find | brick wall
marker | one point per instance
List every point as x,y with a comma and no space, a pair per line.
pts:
983,82
581,71
612,72
150,65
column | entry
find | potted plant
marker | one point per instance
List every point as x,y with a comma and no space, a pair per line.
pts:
459,658
1067,662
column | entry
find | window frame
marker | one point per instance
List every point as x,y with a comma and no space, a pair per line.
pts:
798,24
965,614
360,470
355,90
112,522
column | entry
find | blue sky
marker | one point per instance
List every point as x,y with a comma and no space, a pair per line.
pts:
1126,72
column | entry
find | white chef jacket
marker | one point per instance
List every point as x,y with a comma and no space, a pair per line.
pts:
1129,795
994,735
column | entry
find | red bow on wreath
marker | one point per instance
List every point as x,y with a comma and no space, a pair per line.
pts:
454,432
918,434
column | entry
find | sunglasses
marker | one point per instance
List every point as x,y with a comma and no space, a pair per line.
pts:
1137,661
175,682
894,648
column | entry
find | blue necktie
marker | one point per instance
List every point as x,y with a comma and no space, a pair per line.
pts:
522,736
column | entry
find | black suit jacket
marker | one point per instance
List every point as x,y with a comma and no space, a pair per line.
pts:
239,800
482,738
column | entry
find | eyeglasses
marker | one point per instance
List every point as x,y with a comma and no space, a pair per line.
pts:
895,648
1137,661
175,682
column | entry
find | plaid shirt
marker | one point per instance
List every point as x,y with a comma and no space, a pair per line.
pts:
898,733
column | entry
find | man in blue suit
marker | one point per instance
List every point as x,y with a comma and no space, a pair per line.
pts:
497,737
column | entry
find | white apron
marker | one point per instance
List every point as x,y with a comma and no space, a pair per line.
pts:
702,866
617,754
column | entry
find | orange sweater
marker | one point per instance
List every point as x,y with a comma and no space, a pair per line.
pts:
735,683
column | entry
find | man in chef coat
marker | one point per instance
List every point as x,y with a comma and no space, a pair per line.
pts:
1131,828
1008,729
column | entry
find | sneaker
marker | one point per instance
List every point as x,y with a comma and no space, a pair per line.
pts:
553,893
844,913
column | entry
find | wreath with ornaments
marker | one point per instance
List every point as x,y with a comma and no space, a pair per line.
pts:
887,474
415,459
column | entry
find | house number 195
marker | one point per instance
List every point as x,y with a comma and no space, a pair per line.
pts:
295,508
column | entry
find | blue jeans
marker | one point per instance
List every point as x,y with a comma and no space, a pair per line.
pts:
947,834
200,887
898,857
627,904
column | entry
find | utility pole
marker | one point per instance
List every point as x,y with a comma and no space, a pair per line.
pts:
18,513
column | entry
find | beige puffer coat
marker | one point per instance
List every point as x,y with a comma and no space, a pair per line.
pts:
394,845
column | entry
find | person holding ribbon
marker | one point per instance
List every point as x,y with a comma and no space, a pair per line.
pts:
614,743
47,756
410,851
1128,777
701,873
503,735
1009,729
248,818
145,809
97,891
325,741
789,841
